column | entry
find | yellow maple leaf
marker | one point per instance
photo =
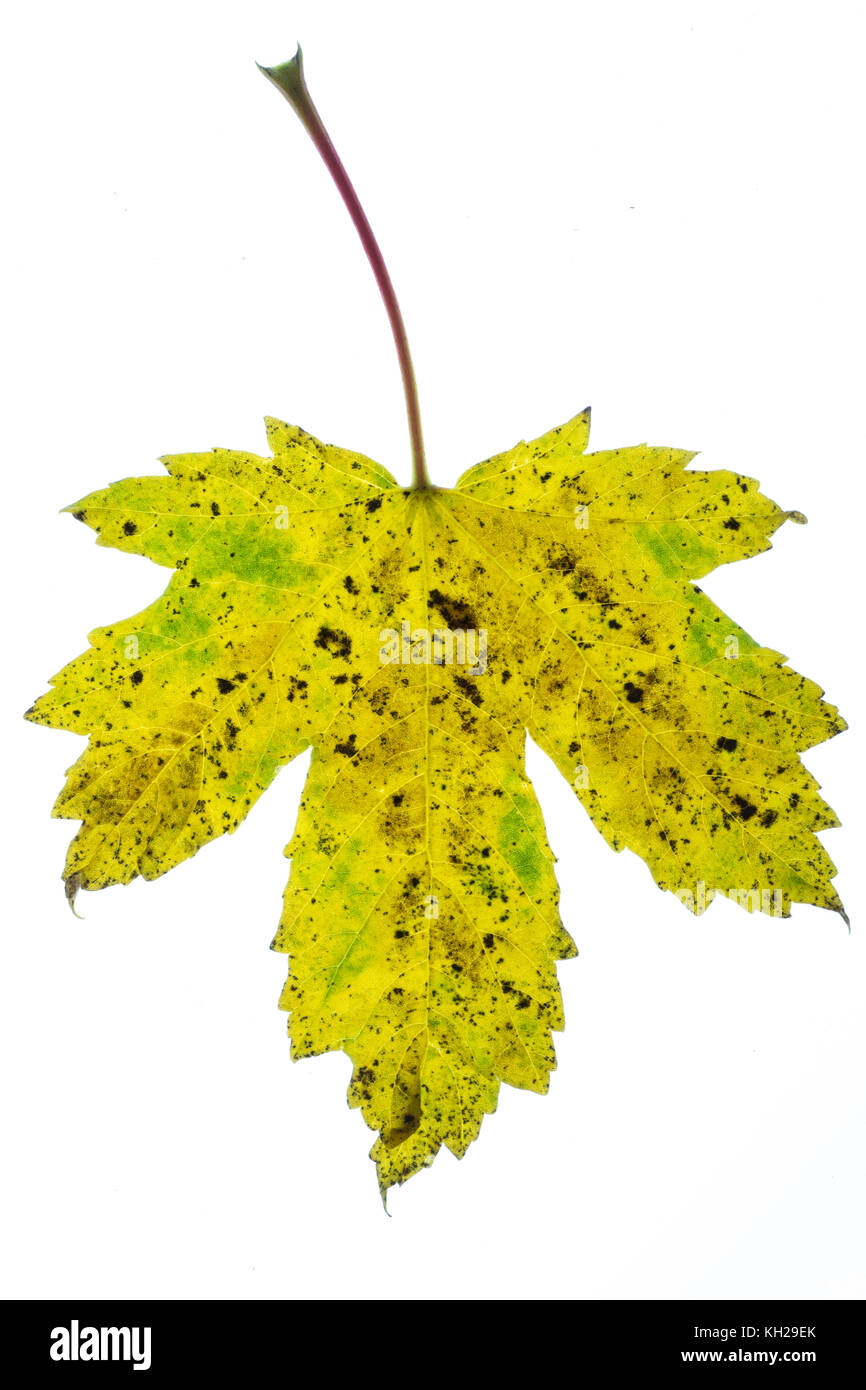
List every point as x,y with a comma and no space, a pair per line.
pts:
413,637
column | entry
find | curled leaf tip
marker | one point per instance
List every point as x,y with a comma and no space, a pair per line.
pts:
72,885
797,517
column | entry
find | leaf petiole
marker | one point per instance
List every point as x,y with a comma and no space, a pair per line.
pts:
288,78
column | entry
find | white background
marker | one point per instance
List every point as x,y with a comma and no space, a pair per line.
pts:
652,208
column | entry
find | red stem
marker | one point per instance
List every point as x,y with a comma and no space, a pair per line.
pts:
288,78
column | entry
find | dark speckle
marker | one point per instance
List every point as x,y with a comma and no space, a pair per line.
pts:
333,641
458,615
469,689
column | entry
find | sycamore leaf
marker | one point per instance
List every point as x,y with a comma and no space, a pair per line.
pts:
413,638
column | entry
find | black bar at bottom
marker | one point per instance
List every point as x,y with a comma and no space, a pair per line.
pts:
153,1339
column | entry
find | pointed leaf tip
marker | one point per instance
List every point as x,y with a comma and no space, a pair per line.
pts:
71,886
